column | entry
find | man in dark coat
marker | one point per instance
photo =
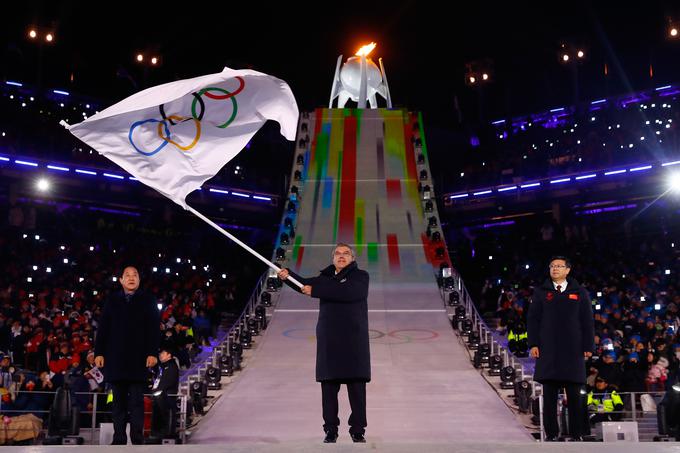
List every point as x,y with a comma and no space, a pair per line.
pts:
126,345
561,333
342,349
165,388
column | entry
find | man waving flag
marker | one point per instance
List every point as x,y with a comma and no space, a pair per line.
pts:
176,136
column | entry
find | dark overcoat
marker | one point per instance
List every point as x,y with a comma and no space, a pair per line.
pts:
561,326
127,334
342,349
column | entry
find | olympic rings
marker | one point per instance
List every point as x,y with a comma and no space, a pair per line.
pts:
417,335
179,118
196,117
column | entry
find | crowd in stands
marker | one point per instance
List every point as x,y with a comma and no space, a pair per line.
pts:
59,268
628,261
569,141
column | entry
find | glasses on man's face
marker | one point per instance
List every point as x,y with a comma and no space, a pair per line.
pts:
342,253
557,266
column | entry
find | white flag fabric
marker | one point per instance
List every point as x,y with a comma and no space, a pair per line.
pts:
176,136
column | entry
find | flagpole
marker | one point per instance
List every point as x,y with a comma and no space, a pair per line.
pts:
242,244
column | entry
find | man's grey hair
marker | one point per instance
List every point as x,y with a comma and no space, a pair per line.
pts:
342,244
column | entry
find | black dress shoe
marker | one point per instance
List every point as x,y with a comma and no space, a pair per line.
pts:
551,439
358,438
331,437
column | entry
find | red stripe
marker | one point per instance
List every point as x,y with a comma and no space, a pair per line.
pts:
348,188
301,251
393,253
393,192
410,152
426,247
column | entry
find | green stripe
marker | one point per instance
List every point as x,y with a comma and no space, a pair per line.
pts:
296,247
372,252
359,225
422,135
338,182
359,232
321,156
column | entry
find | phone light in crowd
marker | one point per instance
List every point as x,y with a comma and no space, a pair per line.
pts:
526,266
37,237
48,269
179,260
113,279
81,280
43,185
193,268
668,272
72,294
65,260
490,258
91,248
657,306
599,294
35,268
29,279
598,306
224,275
94,293
167,270
63,247
155,269
642,299
160,306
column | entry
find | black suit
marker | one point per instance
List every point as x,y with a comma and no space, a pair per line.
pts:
127,334
342,353
561,326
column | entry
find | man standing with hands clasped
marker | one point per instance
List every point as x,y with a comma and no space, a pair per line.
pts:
561,334
126,345
342,349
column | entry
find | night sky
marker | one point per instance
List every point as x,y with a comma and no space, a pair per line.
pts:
424,48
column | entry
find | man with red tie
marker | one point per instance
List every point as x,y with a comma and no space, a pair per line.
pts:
561,334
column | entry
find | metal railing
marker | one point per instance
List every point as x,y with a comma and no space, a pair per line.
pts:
93,398
631,401
486,335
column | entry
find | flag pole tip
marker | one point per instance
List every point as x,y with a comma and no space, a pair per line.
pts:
65,124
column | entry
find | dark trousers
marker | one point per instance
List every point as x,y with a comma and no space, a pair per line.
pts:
356,390
128,406
575,403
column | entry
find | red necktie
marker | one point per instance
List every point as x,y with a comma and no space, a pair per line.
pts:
559,288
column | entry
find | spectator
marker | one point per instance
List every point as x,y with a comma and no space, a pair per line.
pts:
604,403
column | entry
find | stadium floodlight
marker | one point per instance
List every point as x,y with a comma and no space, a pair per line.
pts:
674,181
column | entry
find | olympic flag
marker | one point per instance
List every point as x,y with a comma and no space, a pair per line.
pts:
176,136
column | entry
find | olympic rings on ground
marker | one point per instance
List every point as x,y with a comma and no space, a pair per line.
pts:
417,335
